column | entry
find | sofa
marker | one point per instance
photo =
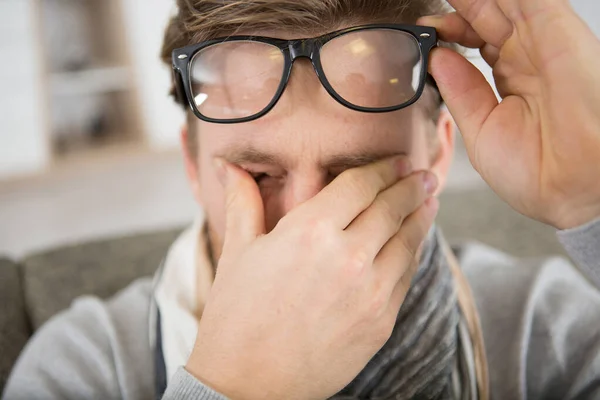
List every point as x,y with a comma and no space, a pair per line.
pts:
38,286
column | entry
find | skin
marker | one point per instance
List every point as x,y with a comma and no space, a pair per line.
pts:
330,264
341,185
539,147
312,139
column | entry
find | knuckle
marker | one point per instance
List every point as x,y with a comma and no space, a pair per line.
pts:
356,264
378,304
407,245
472,11
383,331
378,179
390,213
320,228
317,231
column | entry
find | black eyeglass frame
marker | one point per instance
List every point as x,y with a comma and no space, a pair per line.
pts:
309,48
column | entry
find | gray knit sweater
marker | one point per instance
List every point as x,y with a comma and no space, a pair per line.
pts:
540,319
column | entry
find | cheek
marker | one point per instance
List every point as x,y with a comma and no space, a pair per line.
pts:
213,198
214,210
420,151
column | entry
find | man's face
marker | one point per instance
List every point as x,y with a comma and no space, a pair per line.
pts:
301,145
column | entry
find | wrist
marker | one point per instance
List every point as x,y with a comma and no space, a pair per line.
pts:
221,380
234,379
577,217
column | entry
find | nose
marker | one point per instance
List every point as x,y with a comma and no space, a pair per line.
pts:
303,88
298,189
302,189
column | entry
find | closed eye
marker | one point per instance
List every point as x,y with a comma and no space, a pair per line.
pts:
258,177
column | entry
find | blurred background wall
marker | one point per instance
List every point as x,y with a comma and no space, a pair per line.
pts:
88,135
79,72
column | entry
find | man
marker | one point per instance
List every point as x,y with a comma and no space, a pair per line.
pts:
319,200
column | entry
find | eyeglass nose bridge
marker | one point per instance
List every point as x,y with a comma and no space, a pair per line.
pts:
302,48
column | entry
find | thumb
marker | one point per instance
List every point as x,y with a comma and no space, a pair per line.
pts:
244,212
467,94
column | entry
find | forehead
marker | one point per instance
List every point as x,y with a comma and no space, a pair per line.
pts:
341,135
327,138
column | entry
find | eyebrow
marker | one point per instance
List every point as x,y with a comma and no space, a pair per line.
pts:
348,161
250,155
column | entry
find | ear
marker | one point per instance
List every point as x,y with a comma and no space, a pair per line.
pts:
445,154
191,164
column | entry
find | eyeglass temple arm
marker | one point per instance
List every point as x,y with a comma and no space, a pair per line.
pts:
177,90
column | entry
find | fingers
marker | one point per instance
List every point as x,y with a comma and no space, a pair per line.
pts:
244,212
382,220
354,190
454,29
486,18
490,54
466,92
397,262
554,30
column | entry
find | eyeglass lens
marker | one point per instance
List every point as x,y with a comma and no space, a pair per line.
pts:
375,68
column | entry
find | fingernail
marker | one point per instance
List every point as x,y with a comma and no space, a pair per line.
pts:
403,166
431,182
221,170
435,18
430,19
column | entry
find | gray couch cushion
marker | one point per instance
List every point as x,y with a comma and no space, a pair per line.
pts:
53,279
14,328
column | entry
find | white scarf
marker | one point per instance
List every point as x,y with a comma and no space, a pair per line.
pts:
186,272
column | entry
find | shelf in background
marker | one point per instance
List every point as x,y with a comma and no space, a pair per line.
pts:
90,81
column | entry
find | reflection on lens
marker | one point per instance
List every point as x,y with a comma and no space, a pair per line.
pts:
200,99
235,79
376,68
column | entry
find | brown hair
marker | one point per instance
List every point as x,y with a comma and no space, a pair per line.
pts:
199,20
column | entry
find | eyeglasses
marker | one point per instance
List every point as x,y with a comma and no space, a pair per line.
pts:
371,68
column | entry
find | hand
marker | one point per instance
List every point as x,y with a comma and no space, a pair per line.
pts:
298,312
539,149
